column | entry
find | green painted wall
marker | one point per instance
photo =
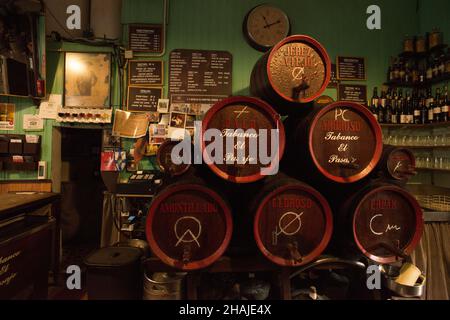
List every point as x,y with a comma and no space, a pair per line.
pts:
435,13
340,25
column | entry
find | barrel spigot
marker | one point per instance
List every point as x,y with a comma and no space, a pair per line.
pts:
186,254
293,251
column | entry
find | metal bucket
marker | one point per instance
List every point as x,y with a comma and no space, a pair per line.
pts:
163,286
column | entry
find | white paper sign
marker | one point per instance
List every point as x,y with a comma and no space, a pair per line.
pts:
49,109
32,122
31,138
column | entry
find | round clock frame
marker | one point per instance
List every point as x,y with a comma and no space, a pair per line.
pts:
266,24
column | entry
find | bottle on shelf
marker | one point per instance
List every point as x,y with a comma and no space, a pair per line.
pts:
429,72
382,108
388,108
373,104
409,108
417,109
422,73
437,106
430,107
396,71
395,112
415,74
447,62
423,109
401,72
445,112
442,65
435,68
408,76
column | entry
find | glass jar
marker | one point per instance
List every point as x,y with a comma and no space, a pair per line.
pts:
435,38
420,44
447,62
408,44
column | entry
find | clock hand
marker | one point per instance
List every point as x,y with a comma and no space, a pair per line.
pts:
265,20
272,24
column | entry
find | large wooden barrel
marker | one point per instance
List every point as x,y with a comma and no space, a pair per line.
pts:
239,121
339,143
296,70
292,223
164,160
188,225
383,222
396,163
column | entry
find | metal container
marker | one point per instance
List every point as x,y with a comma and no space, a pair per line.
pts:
163,286
136,243
390,274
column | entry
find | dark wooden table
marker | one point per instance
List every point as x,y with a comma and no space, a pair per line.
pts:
29,243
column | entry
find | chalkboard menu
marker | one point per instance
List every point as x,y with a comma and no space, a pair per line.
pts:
200,75
145,37
351,68
143,98
145,73
333,77
352,92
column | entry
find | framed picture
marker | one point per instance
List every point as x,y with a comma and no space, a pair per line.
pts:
87,80
163,105
177,120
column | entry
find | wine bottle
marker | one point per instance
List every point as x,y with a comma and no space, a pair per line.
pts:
445,106
374,103
437,106
430,107
417,108
382,108
388,110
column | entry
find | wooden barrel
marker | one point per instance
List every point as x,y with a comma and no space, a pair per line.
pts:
397,163
239,121
296,70
384,222
293,222
341,143
164,160
188,225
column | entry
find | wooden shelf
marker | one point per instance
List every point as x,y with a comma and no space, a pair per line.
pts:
427,83
422,147
433,169
431,216
426,125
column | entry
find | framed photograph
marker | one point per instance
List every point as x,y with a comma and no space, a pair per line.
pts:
190,120
180,107
87,80
163,105
195,108
177,120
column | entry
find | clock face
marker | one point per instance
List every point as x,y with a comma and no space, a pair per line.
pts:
266,25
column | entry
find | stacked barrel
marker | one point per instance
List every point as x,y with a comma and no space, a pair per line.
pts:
321,181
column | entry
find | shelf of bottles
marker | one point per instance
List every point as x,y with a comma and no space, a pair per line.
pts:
425,61
418,107
430,163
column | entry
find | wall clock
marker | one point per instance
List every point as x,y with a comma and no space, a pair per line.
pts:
265,25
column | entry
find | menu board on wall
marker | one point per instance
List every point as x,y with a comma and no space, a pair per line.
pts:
145,37
145,73
143,99
351,68
352,92
199,76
